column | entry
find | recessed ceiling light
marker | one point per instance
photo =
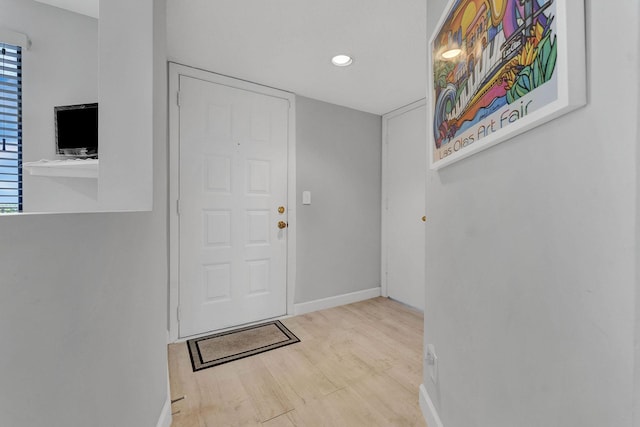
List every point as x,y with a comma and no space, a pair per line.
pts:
451,53
341,60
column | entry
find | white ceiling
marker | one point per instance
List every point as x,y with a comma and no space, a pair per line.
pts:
288,44
85,7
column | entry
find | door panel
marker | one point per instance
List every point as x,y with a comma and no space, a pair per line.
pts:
405,186
233,177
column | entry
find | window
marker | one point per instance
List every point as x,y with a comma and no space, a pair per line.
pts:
10,128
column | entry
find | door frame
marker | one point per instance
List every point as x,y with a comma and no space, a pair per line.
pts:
175,71
384,245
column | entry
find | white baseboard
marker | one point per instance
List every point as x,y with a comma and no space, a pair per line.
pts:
165,416
330,302
428,409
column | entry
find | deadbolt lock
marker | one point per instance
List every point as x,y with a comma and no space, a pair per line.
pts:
282,225
424,218
281,209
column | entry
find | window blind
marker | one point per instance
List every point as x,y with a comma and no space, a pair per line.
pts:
10,128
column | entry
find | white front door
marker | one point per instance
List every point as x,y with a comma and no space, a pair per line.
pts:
404,181
232,197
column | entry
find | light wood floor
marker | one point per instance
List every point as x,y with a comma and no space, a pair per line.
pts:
356,365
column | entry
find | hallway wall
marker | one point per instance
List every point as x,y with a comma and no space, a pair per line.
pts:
83,302
338,235
531,257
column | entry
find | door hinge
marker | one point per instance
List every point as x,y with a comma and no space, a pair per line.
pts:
178,313
178,207
178,98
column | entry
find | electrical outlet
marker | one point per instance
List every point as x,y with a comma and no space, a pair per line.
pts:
432,362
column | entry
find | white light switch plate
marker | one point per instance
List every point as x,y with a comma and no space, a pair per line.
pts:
306,197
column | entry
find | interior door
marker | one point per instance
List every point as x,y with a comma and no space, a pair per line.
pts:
232,206
405,174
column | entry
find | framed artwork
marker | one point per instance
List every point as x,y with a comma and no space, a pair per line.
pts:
497,68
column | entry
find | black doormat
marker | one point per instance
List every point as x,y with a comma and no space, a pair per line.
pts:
224,347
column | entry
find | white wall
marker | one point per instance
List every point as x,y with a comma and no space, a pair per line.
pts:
636,394
83,302
60,68
126,98
338,235
531,257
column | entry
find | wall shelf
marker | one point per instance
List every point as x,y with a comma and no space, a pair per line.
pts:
75,168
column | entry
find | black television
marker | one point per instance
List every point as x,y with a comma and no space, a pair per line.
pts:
77,130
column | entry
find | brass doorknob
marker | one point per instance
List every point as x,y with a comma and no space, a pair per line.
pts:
282,224
424,218
281,209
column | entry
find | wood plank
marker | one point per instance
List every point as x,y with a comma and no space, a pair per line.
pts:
356,365
280,421
266,394
401,410
215,396
300,380
342,408
336,361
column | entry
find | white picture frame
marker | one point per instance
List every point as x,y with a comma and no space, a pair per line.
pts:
521,63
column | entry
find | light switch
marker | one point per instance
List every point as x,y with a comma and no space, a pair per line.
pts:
306,197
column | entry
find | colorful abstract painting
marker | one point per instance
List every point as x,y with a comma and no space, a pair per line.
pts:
493,63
